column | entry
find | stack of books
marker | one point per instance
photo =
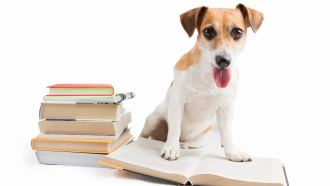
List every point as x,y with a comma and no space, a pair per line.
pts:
80,124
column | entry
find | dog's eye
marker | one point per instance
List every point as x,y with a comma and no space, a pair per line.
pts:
209,33
236,33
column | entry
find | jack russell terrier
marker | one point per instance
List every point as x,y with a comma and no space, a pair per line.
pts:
205,82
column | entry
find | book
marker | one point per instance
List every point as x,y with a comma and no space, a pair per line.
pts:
69,158
205,166
89,99
86,127
81,89
80,111
78,143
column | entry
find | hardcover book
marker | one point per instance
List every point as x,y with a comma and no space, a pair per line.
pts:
69,158
80,111
78,143
81,89
86,127
89,99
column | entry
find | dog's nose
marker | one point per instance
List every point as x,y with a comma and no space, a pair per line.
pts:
222,62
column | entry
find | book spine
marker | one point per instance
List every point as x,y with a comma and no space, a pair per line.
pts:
90,111
40,110
80,94
68,158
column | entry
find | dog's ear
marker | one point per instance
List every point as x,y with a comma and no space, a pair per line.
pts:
192,19
252,17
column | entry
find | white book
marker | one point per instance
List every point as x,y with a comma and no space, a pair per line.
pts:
69,158
119,97
205,166
73,157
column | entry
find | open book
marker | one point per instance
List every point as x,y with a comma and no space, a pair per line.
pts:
205,166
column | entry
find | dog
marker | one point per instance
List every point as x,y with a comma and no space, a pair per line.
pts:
205,82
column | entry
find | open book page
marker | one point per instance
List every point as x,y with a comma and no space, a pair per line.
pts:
146,153
204,166
259,170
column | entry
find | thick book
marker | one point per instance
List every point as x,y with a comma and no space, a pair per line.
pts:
81,90
119,97
69,158
78,143
86,127
205,166
80,111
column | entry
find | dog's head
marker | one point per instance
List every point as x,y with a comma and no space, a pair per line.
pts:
221,35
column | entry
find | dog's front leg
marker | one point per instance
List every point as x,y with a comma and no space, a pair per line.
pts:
224,118
171,149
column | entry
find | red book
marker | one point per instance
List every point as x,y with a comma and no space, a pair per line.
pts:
81,90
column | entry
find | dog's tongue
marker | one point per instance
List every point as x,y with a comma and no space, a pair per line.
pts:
221,77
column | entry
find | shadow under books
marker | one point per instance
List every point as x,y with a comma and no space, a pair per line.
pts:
125,174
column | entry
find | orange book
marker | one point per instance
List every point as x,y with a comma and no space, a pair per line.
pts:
79,143
81,90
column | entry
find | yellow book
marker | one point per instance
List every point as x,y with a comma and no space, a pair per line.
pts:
80,111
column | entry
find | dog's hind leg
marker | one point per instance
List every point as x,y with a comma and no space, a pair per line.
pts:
155,124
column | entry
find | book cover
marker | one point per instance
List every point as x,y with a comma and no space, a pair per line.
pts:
86,127
81,90
80,111
115,99
69,158
79,143
80,86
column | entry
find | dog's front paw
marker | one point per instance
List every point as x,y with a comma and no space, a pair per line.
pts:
170,151
234,154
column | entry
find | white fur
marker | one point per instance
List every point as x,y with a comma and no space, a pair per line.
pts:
191,104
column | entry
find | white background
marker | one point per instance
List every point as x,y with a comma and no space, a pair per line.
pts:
283,101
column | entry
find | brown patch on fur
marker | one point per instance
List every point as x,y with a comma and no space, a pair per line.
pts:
192,19
188,59
208,129
160,132
252,17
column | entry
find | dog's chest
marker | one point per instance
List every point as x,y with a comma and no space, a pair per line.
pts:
201,106
200,95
